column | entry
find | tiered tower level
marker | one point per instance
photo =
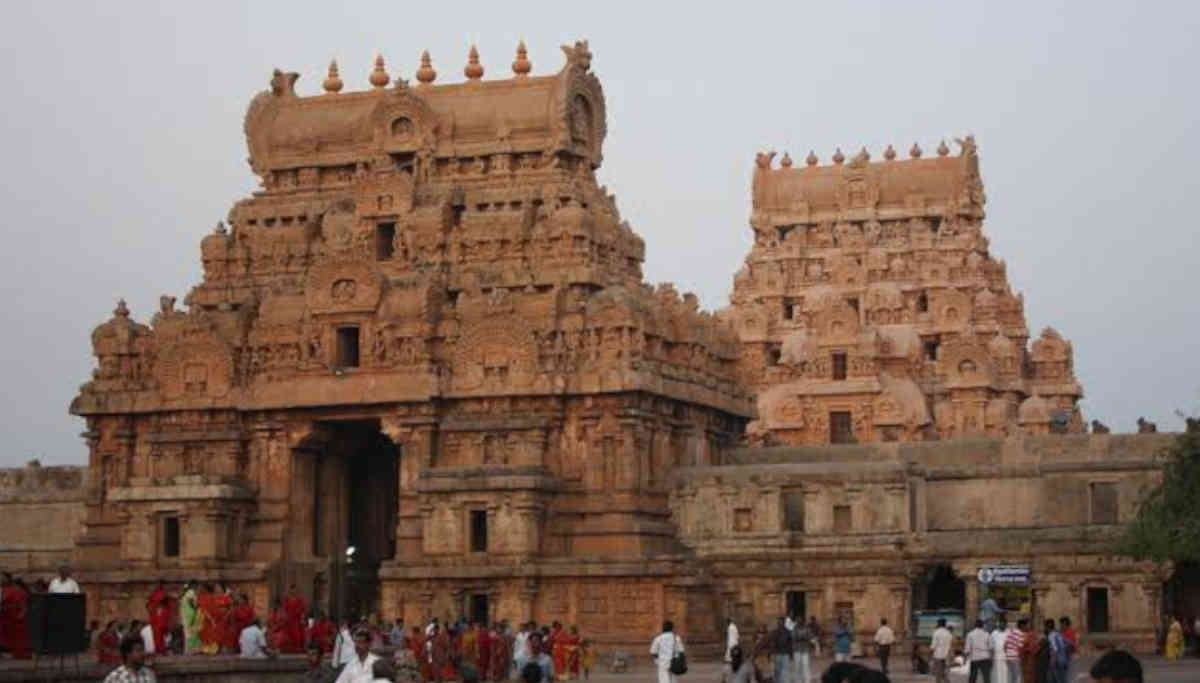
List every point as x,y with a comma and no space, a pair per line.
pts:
430,270
869,308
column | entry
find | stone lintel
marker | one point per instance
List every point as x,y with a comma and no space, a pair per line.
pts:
196,435
485,423
180,491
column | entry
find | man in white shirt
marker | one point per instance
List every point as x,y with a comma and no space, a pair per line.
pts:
361,667
999,658
343,649
253,642
978,646
731,637
884,637
63,583
663,648
147,634
521,646
939,647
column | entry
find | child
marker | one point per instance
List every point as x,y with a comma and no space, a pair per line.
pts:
587,656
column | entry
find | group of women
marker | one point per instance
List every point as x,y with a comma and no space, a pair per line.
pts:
471,651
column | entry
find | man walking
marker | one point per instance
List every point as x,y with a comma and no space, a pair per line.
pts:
1014,640
884,637
731,637
939,647
781,651
663,649
978,647
843,638
361,667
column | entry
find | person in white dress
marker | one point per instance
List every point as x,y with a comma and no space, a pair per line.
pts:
663,649
999,665
731,638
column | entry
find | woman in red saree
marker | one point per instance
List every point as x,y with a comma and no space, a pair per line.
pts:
441,664
14,632
241,616
108,645
322,633
159,611
498,668
296,609
212,619
228,638
571,643
558,650
277,634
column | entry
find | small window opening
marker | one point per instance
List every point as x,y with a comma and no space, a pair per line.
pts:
853,303
935,224
931,349
842,520
789,310
1104,502
171,537
479,531
923,303
793,510
839,366
347,347
385,240
840,430
774,355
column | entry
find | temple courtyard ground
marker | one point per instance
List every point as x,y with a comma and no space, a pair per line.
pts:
228,669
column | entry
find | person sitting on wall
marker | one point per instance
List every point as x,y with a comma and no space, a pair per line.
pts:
253,642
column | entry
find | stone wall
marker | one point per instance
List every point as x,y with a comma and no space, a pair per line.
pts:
857,529
42,513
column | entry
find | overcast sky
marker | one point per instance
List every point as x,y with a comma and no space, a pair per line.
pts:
122,139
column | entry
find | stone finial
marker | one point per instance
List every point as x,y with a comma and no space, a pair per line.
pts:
220,229
889,153
838,157
522,66
379,77
121,311
863,154
426,74
811,159
474,70
786,161
915,151
942,149
333,82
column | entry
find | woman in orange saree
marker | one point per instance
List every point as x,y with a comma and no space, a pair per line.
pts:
557,644
212,620
571,643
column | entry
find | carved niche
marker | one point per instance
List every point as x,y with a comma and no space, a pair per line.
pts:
345,287
495,355
198,368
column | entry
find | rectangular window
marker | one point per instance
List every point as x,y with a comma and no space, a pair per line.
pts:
931,349
385,236
479,531
842,521
840,430
793,510
839,366
774,355
171,536
1097,610
853,302
789,310
1104,502
743,519
347,347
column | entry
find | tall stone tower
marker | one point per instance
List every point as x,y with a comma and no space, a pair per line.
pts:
869,308
423,345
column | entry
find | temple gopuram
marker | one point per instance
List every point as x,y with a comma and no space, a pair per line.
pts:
869,308
423,376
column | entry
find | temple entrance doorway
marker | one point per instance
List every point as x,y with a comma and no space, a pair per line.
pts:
477,607
938,593
797,606
352,475
1181,593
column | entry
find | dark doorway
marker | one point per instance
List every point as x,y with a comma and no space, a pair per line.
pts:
354,505
478,608
1181,593
944,589
797,606
1097,610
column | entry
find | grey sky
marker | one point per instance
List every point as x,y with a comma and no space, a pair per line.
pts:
122,138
